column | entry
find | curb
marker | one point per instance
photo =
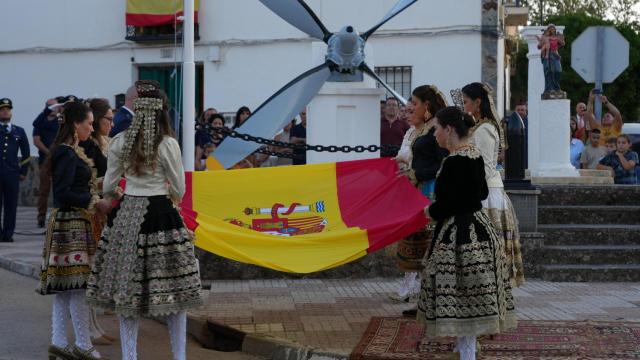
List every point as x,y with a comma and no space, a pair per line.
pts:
213,335
217,336
19,267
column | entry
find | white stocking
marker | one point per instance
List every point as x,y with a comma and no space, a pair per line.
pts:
129,337
467,347
407,284
59,319
96,330
80,319
177,324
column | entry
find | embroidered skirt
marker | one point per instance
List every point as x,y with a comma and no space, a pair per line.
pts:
503,217
145,264
68,252
465,288
411,250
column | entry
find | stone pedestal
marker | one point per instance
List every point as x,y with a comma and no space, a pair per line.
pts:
344,116
345,113
553,140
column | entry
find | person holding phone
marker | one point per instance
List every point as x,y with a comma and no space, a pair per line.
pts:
611,123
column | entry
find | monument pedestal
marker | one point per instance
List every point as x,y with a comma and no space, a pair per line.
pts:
344,115
553,146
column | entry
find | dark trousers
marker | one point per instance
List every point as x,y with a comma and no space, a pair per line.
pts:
9,187
43,192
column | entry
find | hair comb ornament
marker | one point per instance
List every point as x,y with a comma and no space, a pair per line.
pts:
148,89
456,97
439,94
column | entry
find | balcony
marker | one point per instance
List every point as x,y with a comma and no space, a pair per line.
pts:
515,14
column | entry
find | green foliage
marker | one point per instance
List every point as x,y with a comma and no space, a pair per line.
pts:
624,92
621,11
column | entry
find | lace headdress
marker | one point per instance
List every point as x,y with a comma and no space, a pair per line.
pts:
143,126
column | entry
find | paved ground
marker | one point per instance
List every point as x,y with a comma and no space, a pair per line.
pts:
25,332
332,314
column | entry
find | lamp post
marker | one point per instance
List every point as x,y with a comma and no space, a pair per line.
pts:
188,87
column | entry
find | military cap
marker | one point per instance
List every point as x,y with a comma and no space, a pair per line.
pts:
6,102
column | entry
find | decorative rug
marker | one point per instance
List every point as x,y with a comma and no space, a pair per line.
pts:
402,338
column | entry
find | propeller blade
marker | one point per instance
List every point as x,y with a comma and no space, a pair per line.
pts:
399,7
366,69
273,115
300,15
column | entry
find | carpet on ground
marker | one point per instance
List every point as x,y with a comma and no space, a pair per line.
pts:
401,338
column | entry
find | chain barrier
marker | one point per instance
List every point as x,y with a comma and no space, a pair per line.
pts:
306,147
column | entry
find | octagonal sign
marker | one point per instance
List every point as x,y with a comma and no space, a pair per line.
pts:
615,54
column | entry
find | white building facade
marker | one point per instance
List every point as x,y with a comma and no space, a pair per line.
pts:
245,53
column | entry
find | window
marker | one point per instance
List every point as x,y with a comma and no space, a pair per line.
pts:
398,77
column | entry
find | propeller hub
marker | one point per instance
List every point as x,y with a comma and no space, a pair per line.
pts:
346,50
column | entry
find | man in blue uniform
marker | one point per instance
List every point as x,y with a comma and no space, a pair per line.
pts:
12,171
45,129
123,118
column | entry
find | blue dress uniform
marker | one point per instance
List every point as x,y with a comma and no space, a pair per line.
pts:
121,121
13,138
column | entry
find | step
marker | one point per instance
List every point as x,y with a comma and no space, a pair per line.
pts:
590,273
590,254
592,234
572,180
589,195
588,214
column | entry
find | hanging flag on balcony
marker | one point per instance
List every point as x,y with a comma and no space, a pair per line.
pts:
155,12
302,219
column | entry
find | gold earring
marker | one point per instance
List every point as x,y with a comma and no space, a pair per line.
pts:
75,136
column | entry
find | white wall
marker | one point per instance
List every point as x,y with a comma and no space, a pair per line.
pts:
52,48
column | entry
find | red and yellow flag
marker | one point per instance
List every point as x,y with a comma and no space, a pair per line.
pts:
155,12
302,219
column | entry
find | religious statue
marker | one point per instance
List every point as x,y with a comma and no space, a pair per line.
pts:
549,43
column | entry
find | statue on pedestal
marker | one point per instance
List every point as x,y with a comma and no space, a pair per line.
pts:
549,43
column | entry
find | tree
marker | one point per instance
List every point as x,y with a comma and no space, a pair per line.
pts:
620,11
624,92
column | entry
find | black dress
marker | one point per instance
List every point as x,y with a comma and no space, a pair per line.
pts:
69,245
465,288
93,151
427,158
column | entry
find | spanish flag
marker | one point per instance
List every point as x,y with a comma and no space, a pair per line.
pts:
155,12
302,219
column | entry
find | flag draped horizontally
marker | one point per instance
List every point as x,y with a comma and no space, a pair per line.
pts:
155,12
302,219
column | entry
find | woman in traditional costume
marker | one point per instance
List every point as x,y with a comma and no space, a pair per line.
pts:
419,158
96,148
488,137
145,263
465,285
69,246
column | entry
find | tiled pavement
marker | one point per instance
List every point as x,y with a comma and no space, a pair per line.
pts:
332,314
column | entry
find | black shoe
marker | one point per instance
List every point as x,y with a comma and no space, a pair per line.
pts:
6,239
40,223
411,313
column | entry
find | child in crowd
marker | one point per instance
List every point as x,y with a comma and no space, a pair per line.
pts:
612,144
208,148
621,162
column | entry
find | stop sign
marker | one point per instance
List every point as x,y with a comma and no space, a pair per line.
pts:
615,54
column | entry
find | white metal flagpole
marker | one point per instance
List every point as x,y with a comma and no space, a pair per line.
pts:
188,87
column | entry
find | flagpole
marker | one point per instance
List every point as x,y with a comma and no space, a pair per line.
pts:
188,87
